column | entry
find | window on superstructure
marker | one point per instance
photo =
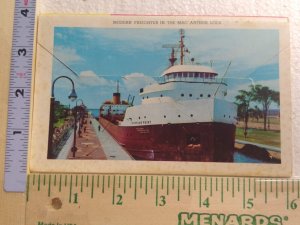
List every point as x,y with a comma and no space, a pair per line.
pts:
196,75
185,74
191,74
179,75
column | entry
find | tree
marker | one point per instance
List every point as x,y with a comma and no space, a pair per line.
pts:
265,96
243,102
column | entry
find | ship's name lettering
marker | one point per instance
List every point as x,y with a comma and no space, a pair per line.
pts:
142,122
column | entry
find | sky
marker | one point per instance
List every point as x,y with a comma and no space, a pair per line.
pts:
135,57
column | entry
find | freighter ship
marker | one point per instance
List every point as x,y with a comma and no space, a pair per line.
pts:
183,117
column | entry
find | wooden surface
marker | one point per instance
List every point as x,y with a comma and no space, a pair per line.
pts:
12,205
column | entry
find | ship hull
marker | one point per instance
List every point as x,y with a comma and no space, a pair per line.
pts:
204,142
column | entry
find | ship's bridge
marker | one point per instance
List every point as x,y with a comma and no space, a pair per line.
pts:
188,73
185,82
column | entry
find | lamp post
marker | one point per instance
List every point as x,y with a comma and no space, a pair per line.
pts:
74,148
72,97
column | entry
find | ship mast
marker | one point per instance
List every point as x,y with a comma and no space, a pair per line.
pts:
181,46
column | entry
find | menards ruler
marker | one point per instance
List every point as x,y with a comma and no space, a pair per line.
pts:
81,199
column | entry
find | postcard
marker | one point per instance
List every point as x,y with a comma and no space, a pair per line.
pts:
162,95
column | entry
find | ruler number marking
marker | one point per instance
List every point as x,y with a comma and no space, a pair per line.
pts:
206,202
75,201
119,200
250,203
25,12
19,92
162,201
22,52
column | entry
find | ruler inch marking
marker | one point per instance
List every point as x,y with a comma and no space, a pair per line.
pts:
49,185
81,184
266,192
244,194
178,188
222,189
70,190
146,185
168,185
125,183
135,188
103,183
60,183
92,191
27,189
276,188
232,187
189,186
156,192
200,193
114,190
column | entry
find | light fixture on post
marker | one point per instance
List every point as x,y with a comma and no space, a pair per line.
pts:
72,97
74,148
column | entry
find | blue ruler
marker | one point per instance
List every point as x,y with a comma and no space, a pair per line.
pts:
19,96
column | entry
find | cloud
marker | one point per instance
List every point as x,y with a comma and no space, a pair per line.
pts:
67,54
89,78
135,81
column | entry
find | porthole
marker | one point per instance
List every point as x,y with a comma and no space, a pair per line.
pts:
147,96
192,115
224,116
178,115
161,95
145,117
165,116
208,95
182,95
190,95
139,117
201,95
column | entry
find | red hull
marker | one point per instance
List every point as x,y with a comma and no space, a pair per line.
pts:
205,142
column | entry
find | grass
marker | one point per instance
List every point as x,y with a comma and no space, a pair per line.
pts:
271,138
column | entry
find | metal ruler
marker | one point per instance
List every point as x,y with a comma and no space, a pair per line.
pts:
81,199
19,96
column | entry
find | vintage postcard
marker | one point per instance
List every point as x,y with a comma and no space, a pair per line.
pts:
162,94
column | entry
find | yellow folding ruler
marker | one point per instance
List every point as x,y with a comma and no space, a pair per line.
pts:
87,199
